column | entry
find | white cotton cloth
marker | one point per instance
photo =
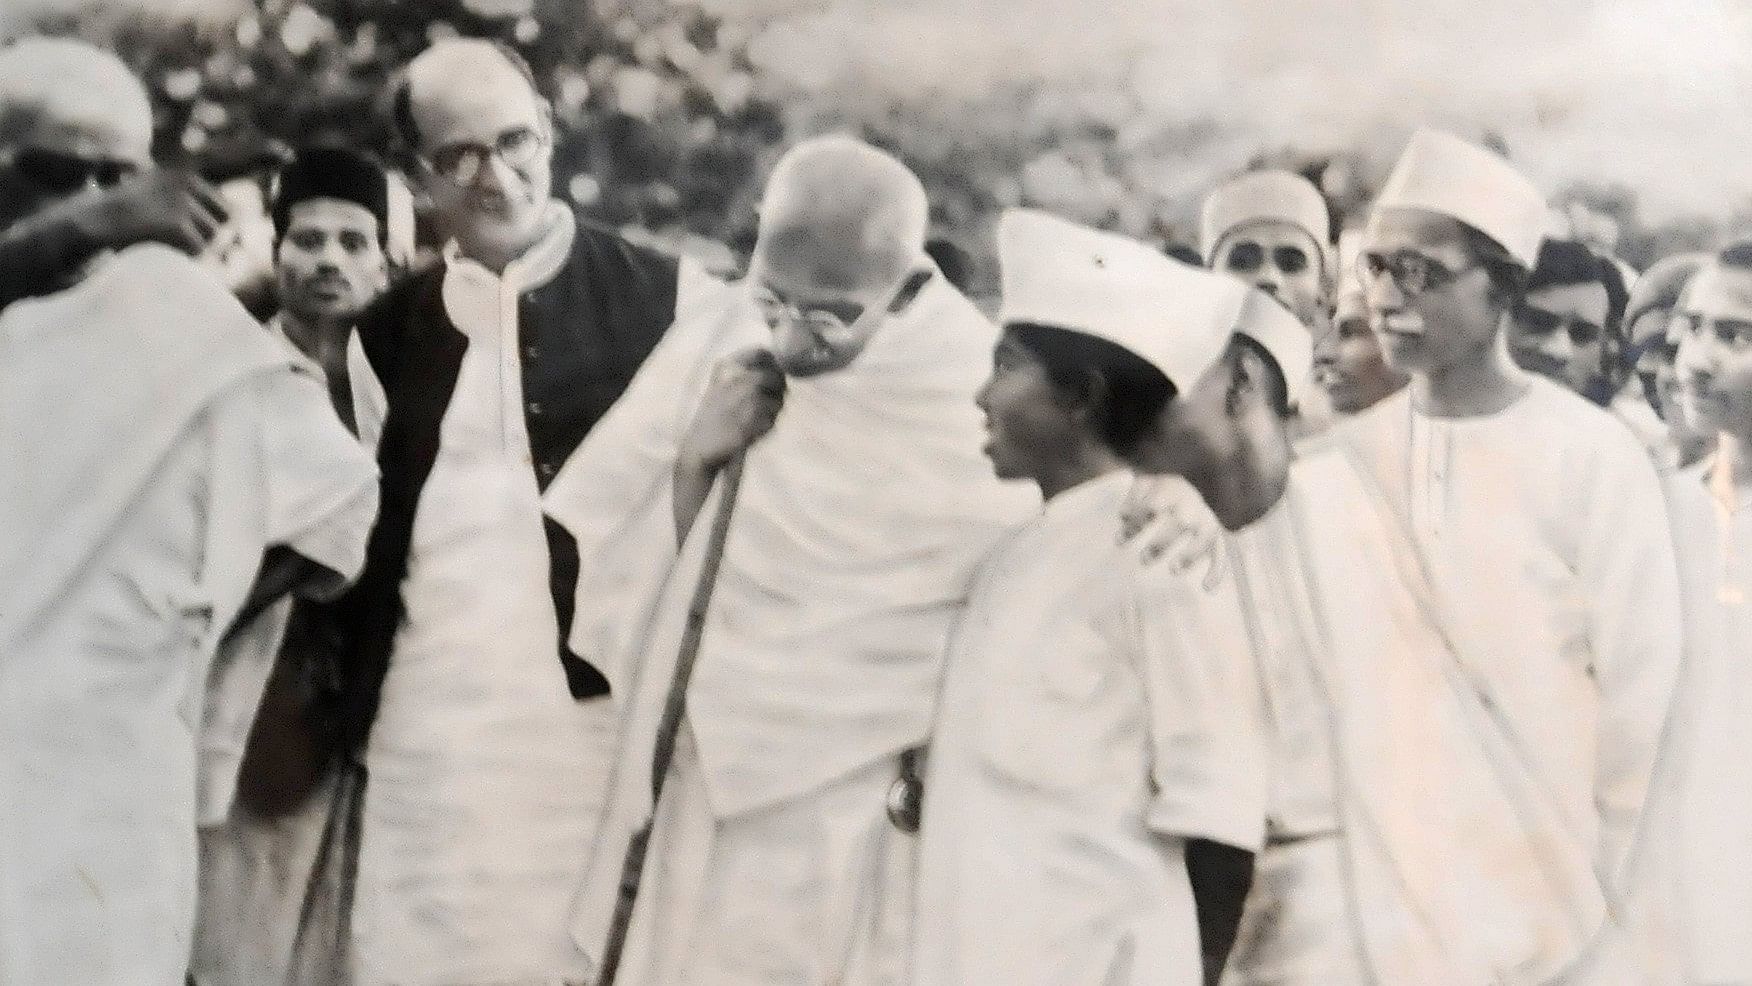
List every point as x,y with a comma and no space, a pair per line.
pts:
861,517
1477,848
130,545
1095,716
486,776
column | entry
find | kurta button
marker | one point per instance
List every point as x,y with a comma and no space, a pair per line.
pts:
547,468
535,407
531,352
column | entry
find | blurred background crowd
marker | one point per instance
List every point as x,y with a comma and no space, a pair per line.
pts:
1118,114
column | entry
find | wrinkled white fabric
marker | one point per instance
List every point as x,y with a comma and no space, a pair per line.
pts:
1095,715
861,517
130,545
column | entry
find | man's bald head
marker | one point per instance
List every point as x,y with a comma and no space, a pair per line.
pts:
462,77
71,98
842,216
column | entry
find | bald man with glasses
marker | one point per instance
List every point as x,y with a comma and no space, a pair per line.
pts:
486,740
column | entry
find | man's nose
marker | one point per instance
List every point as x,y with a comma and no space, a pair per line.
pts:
494,174
1381,293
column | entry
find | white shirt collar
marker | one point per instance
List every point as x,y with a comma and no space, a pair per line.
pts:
539,264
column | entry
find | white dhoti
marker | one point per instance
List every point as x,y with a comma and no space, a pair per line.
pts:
812,891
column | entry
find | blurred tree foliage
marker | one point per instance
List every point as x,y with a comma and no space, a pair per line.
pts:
666,122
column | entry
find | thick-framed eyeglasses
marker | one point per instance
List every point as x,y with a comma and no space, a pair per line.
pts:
827,327
66,174
1412,272
1245,257
462,161
1539,322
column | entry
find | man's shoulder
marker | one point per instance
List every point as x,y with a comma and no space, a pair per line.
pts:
1578,422
603,245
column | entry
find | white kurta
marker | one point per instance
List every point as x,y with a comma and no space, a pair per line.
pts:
1094,717
1544,564
486,776
1298,926
102,673
1545,533
861,518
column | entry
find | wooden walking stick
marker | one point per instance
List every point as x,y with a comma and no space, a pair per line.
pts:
633,868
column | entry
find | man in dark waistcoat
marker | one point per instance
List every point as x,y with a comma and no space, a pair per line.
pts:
485,740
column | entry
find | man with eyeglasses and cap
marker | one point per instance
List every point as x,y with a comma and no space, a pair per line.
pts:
864,506
175,471
1536,523
1567,326
486,738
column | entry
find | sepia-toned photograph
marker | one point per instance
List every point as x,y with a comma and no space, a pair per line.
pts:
875,493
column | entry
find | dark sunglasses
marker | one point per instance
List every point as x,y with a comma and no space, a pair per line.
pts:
1539,322
67,173
1246,257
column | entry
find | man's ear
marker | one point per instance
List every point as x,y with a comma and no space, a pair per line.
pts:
545,110
1247,379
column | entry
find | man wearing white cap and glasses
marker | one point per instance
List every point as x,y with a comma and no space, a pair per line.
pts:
1538,539
1097,733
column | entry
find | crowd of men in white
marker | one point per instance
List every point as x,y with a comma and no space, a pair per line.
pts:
561,614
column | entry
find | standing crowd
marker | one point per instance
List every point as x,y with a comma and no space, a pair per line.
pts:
1356,609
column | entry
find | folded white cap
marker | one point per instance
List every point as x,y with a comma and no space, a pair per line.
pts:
1260,196
1441,173
1174,316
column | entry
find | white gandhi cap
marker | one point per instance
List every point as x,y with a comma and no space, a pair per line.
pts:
1440,173
1176,317
1263,196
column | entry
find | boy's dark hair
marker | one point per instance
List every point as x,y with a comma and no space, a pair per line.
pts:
1132,392
1565,262
1508,276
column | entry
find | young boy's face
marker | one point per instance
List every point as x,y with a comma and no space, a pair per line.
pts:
1715,348
1028,425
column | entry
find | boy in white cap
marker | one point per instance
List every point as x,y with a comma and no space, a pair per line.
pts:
1097,731
1536,523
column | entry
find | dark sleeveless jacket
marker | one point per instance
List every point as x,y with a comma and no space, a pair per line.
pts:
582,337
